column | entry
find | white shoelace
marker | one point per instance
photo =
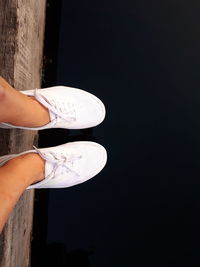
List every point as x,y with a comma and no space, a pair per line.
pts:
62,110
57,160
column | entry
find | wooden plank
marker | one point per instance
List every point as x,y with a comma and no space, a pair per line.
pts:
21,40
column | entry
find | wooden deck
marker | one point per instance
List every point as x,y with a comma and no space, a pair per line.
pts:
21,38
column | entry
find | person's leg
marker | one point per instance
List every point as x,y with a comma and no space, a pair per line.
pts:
15,176
19,109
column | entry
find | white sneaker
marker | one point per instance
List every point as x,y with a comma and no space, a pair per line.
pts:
68,164
68,107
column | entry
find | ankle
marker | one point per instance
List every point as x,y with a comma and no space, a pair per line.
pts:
34,166
2,92
25,169
38,163
37,114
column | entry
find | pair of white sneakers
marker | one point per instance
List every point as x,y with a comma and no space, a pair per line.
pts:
72,163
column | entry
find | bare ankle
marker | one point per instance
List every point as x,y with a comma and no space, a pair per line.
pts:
2,93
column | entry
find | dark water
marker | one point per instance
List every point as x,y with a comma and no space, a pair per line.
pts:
142,59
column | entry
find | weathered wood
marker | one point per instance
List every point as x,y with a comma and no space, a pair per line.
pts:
21,40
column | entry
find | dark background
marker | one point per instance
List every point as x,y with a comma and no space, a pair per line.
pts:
142,58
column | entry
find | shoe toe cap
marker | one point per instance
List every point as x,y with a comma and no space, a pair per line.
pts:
91,115
95,161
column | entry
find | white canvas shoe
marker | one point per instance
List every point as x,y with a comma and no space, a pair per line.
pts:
68,164
68,107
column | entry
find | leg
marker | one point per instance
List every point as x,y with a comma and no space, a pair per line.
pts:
13,104
15,176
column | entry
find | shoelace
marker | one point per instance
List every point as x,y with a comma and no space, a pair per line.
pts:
62,110
59,160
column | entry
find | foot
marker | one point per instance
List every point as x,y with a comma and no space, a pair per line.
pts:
57,167
19,109
53,107
71,164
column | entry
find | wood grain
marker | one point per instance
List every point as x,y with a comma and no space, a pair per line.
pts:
21,39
